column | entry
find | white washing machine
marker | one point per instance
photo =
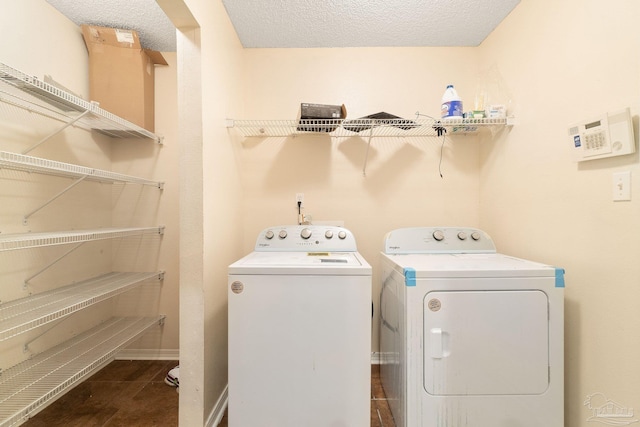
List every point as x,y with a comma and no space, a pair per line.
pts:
300,331
469,337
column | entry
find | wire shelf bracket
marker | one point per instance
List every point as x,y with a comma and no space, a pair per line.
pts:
48,266
54,133
69,187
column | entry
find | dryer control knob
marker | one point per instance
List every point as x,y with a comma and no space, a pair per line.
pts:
305,233
269,235
328,234
282,234
462,235
342,235
475,235
438,235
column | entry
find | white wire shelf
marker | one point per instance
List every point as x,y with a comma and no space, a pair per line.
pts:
16,241
45,99
25,314
27,387
26,163
367,128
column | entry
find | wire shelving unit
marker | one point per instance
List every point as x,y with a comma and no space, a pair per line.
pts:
28,387
22,162
26,163
24,314
32,94
366,128
17,241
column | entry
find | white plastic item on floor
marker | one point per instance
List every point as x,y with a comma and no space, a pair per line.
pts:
173,377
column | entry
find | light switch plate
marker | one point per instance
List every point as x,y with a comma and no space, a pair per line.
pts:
621,186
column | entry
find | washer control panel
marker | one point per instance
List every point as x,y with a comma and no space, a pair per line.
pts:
306,238
438,240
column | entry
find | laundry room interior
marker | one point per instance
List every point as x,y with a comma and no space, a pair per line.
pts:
551,65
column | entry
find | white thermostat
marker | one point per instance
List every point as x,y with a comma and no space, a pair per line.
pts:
606,136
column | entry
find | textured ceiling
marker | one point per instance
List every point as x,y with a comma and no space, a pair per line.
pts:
360,23
155,30
311,23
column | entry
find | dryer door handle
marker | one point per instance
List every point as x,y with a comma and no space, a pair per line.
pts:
435,344
438,343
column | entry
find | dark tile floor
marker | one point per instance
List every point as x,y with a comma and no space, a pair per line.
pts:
124,393
133,393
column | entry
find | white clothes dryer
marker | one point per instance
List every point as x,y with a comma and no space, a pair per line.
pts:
469,337
300,331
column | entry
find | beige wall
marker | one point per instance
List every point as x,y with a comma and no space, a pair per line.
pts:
212,58
563,62
134,206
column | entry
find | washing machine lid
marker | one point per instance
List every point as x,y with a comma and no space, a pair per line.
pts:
418,266
302,263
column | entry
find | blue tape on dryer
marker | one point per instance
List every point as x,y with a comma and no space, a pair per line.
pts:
410,276
559,277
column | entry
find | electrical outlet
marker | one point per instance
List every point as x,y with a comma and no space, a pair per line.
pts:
299,199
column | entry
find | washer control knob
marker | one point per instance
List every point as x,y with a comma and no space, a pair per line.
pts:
305,233
342,235
269,235
282,234
328,234
462,235
475,235
438,235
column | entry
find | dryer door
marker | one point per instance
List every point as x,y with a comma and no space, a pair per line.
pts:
486,342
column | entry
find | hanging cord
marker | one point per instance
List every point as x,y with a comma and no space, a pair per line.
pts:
441,131
444,136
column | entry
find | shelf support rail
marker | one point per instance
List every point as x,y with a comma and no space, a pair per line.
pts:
51,264
76,182
25,346
51,135
366,155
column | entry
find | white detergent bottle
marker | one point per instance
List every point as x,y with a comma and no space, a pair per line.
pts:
451,104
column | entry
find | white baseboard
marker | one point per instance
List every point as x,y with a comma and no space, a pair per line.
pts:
379,358
375,358
148,354
217,412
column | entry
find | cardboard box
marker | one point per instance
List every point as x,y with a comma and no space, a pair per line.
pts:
121,73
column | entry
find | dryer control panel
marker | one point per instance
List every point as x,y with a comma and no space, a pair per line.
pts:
306,238
418,240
